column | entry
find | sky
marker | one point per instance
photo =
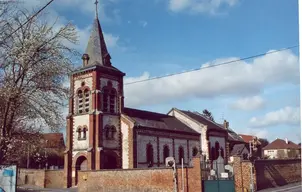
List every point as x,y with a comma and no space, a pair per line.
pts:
152,38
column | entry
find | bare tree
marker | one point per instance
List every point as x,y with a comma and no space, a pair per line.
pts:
34,64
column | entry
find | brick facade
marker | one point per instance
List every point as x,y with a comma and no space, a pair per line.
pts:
160,179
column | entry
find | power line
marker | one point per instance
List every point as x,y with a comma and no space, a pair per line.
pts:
34,15
224,63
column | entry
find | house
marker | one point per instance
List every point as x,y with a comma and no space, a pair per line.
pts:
257,144
282,149
104,134
54,146
240,150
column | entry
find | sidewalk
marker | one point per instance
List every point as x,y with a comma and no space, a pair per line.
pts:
288,188
26,188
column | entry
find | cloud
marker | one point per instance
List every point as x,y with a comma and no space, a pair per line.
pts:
260,133
200,6
143,23
235,79
248,103
287,116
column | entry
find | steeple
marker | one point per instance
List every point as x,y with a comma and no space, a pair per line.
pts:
96,47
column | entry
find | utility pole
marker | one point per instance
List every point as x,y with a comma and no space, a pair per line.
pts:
252,175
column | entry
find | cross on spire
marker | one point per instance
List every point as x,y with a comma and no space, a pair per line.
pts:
96,8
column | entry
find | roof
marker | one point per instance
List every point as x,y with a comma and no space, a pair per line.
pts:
281,144
237,149
96,47
248,138
53,140
232,136
203,120
161,121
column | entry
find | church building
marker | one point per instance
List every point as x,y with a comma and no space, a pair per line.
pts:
103,134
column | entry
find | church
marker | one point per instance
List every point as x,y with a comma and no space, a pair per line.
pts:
104,134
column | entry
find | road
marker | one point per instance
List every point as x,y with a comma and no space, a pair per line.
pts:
296,187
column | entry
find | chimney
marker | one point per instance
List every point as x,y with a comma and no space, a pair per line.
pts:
226,124
85,59
286,141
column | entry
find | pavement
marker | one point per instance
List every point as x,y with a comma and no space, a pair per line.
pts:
295,187
29,188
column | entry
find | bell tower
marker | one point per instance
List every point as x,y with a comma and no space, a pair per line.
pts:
95,105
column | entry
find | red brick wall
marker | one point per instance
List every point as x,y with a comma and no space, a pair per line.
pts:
41,178
272,173
242,172
137,180
54,178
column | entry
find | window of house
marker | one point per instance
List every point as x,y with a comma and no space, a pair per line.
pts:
149,155
222,152
166,152
217,147
180,154
194,151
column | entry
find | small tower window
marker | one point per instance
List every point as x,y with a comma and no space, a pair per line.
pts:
80,101
79,130
109,98
84,133
112,100
110,132
86,94
105,99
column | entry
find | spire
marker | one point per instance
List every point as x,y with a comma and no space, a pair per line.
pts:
96,8
96,47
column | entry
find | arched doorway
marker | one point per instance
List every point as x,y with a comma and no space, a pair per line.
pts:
81,165
110,160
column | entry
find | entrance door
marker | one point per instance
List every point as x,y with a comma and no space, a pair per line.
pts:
81,165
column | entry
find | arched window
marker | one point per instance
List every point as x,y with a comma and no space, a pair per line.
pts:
166,152
222,152
194,151
180,154
109,98
79,130
149,155
217,147
213,153
80,101
105,99
112,100
86,96
84,132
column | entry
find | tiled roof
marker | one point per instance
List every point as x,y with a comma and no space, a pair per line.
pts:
54,140
157,120
237,149
281,144
248,138
201,119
